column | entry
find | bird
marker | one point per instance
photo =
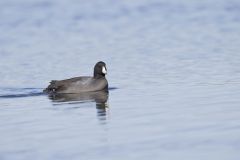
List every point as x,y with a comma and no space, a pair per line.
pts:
97,82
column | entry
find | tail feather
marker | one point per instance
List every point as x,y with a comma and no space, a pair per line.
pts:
52,88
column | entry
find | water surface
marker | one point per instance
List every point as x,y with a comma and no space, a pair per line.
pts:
173,66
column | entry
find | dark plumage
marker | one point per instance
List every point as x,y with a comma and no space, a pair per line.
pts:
98,97
81,84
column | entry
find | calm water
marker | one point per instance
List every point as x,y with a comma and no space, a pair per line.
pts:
173,69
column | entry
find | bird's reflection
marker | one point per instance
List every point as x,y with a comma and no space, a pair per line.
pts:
99,97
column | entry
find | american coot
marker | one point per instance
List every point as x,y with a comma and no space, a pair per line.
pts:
81,84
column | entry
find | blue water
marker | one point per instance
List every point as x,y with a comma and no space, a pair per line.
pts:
173,68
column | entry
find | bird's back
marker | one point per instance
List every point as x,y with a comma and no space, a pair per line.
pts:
77,85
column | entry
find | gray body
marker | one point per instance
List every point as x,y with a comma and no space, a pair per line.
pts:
98,96
82,84
78,85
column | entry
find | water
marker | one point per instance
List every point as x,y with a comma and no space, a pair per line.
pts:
173,66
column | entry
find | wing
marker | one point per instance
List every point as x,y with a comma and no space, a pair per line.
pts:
63,85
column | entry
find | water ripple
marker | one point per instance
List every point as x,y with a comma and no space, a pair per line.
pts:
20,92
25,92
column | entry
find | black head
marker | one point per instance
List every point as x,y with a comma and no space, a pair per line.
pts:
100,70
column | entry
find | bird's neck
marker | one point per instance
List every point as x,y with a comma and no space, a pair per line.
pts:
97,76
